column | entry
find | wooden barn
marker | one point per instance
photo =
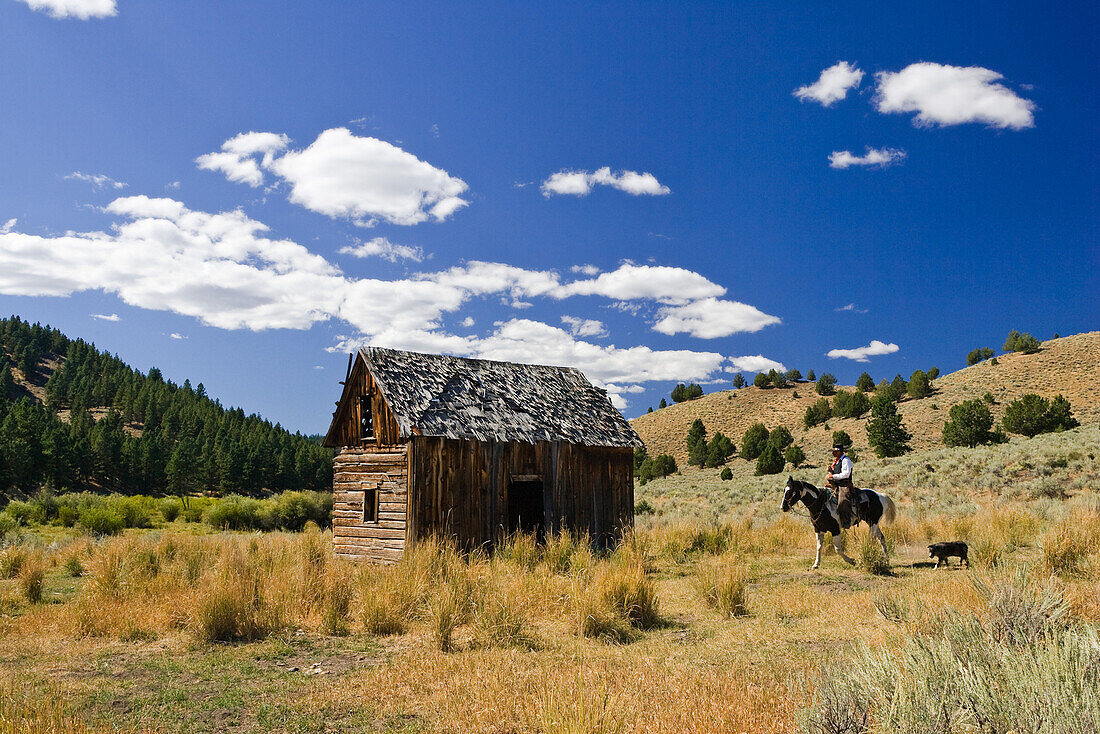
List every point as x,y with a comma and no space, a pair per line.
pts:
473,450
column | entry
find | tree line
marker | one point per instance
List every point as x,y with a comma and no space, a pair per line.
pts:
151,436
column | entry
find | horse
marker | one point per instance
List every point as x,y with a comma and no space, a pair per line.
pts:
870,507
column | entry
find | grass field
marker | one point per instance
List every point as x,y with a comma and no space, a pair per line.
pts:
697,623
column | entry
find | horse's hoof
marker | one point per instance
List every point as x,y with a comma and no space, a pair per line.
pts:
813,567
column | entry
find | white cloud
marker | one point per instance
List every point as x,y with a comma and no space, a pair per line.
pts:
952,95
82,9
224,271
97,180
710,318
219,267
383,248
860,354
175,335
8,225
588,270
342,175
661,283
174,186
468,322
878,157
366,179
755,363
106,317
580,183
236,159
584,327
850,307
833,84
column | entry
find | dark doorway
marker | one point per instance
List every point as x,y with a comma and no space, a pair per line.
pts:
525,507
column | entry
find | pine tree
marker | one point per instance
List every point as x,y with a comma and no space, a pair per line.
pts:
969,424
738,381
754,441
697,444
865,383
919,385
771,461
826,384
885,431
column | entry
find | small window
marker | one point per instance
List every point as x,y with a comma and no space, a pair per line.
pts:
370,504
366,417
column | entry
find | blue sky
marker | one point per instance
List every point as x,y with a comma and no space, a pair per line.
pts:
651,193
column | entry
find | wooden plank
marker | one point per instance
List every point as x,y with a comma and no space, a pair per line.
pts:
369,531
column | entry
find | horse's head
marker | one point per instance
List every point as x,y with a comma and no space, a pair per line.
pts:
792,493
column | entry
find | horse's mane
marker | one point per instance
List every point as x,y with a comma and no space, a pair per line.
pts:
830,498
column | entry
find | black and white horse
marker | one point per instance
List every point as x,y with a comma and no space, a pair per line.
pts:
868,505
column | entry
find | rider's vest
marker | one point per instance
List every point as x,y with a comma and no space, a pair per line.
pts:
836,466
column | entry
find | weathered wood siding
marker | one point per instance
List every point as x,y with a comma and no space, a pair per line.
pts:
347,419
359,469
459,488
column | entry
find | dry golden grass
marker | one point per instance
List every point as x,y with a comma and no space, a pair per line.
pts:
720,626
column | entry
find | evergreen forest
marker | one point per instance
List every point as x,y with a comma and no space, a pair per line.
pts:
74,418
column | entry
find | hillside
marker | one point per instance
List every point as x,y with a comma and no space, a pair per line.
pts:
73,418
1069,366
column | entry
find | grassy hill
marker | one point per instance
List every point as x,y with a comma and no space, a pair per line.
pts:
1069,366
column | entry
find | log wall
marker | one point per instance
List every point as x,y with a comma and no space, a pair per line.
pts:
459,488
359,469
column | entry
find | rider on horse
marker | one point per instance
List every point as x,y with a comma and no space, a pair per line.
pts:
839,479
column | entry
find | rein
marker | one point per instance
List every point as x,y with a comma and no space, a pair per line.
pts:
824,505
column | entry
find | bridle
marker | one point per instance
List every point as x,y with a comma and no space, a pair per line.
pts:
809,514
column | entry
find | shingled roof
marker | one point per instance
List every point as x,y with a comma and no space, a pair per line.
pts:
482,400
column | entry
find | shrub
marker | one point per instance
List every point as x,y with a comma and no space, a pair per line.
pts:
754,441
384,606
1017,342
811,376
777,379
726,475
933,373
793,375
682,392
864,383
723,585
1020,614
969,425
74,566
7,525
780,437
871,558
885,431
1032,414
25,513
719,450
101,520
850,405
234,604
697,443
170,509
794,455
31,576
662,404
12,559
919,386
977,355
826,384
761,380
500,614
770,461
841,438
643,507
817,413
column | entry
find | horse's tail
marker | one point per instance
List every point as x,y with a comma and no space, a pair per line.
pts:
889,509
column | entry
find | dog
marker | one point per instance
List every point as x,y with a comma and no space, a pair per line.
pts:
943,551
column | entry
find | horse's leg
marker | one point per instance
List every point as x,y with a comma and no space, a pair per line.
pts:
820,542
876,532
838,544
